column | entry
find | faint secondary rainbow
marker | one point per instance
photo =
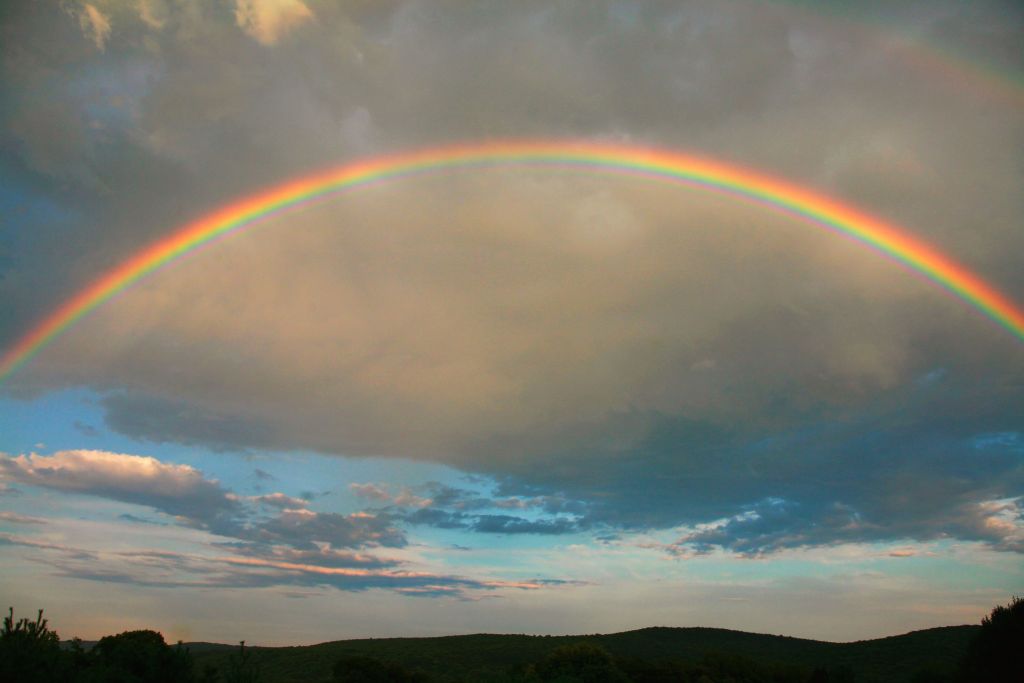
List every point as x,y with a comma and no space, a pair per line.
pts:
913,46
666,166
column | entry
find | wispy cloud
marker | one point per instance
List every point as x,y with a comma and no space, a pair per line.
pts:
15,518
253,566
95,24
280,500
269,20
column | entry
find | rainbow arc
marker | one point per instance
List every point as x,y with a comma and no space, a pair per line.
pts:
667,166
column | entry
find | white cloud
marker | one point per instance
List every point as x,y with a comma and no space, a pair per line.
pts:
84,470
175,489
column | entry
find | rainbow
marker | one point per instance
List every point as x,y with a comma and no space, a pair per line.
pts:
940,62
667,166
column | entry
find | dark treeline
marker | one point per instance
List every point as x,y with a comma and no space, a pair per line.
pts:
30,652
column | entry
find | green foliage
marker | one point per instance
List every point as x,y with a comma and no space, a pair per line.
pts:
997,652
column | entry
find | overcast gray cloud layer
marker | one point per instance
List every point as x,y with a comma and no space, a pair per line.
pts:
657,355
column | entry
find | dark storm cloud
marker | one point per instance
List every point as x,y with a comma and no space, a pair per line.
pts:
615,357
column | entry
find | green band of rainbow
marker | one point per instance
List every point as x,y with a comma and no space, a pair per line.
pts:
658,164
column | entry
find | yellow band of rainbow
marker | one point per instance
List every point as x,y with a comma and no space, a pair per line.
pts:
703,172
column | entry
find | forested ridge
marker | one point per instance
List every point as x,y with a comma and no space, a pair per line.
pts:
31,652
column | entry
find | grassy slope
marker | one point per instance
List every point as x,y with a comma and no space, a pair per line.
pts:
872,661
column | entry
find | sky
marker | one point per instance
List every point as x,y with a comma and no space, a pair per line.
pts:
510,398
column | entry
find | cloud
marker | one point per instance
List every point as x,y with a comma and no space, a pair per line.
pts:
183,492
506,524
324,556
153,13
162,420
135,519
67,551
637,356
249,566
432,494
268,20
263,475
178,490
449,507
294,546
95,25
15,518
370,491
86,429
280,500
301,528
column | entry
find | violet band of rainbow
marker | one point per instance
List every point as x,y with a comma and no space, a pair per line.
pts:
671,166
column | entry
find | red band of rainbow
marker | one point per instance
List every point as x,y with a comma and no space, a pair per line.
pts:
688,169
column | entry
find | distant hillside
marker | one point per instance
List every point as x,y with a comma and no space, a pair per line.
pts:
485,657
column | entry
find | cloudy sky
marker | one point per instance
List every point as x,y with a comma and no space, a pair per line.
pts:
512,399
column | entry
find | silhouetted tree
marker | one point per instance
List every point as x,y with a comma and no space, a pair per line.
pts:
139,657
30,652
997,653
242,668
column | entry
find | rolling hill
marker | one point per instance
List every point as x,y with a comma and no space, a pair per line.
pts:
485,657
